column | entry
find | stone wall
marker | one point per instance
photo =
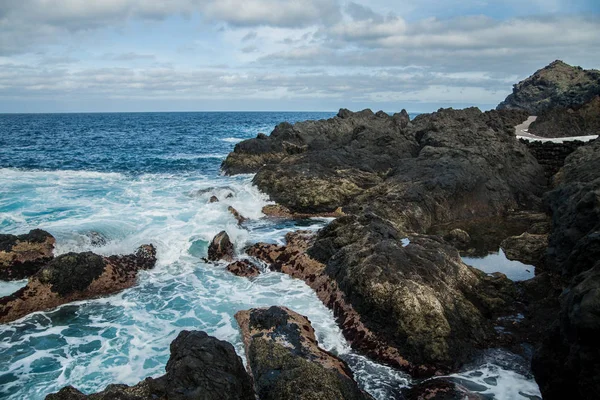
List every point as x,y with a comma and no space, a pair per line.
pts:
550,155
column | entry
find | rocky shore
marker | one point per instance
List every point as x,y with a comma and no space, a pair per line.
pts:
409,197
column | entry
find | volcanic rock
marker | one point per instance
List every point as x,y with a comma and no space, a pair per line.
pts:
443,166
557,85
213,199
201,367
22,256
286,361
583,120
527,248
221,248
239,217
76,276
567,364
417,307
243,268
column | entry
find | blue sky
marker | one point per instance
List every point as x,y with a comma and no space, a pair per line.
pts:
194,55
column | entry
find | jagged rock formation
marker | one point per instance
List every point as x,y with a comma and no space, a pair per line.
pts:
557,85
567,364
76,276
417,307
580,120
528,248
221,248
243,268
22,256
452,164
286,361
201,367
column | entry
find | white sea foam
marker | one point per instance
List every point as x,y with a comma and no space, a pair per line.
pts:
125,338
232,140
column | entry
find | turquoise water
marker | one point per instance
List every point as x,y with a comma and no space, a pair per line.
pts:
147,178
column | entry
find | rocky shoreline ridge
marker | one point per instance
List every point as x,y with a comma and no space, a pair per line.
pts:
409,197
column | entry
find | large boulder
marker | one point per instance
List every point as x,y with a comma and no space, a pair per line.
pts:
221,248
410,303
527,248
201,367
583,120
452,164
23,255
557,85
76,276
286,361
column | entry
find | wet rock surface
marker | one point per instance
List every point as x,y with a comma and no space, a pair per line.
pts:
440,389
76,276
23,255
201,367
285,359
221,248
243,268
527,248
416,307
557,85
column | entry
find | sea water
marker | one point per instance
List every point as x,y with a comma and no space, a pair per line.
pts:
111,182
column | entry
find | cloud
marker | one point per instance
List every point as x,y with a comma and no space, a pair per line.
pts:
277,13
25,23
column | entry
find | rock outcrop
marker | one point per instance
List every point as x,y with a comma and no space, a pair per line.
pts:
557,85
452,164
221,248
567,364
201,367
580,120
415,306
286,361
239,217
23,255
527,248
243,268
76,276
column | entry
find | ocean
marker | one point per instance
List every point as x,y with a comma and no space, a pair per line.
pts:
135,178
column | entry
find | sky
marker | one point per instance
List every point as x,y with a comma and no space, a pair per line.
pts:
282,55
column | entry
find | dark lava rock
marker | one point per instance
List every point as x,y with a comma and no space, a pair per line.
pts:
574,244
286,361
580,120
448,165
22,256
221,248
243,268
201,367
239,217
557,85
440,389
417,307
526,248
76,276
458,238
213,199
421,297
567,364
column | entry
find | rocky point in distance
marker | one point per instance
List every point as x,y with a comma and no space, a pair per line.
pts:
408,196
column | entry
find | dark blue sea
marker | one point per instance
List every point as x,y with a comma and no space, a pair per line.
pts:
135,178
